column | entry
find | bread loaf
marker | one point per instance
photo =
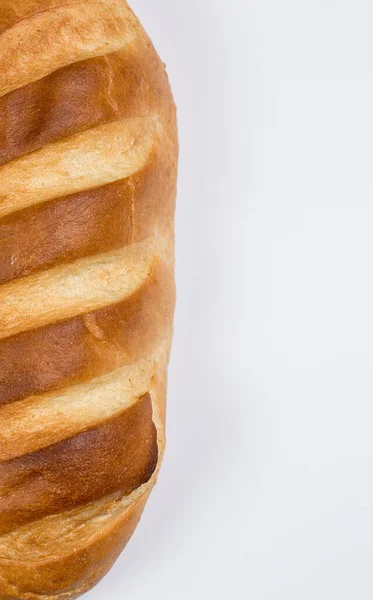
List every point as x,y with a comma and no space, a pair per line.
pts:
88,160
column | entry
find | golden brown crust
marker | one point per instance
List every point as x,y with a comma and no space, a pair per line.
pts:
88,160
117,456
85,95
70,574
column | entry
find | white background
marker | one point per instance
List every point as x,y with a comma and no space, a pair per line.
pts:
266,492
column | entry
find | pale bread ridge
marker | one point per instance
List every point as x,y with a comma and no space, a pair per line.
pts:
68,33
41,421
81,162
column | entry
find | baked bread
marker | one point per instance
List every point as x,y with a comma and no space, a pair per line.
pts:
88,160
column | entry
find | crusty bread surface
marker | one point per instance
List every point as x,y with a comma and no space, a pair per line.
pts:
88,164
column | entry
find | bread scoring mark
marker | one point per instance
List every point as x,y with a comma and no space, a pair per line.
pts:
76,288
48,40
67,352
40,421
84,161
